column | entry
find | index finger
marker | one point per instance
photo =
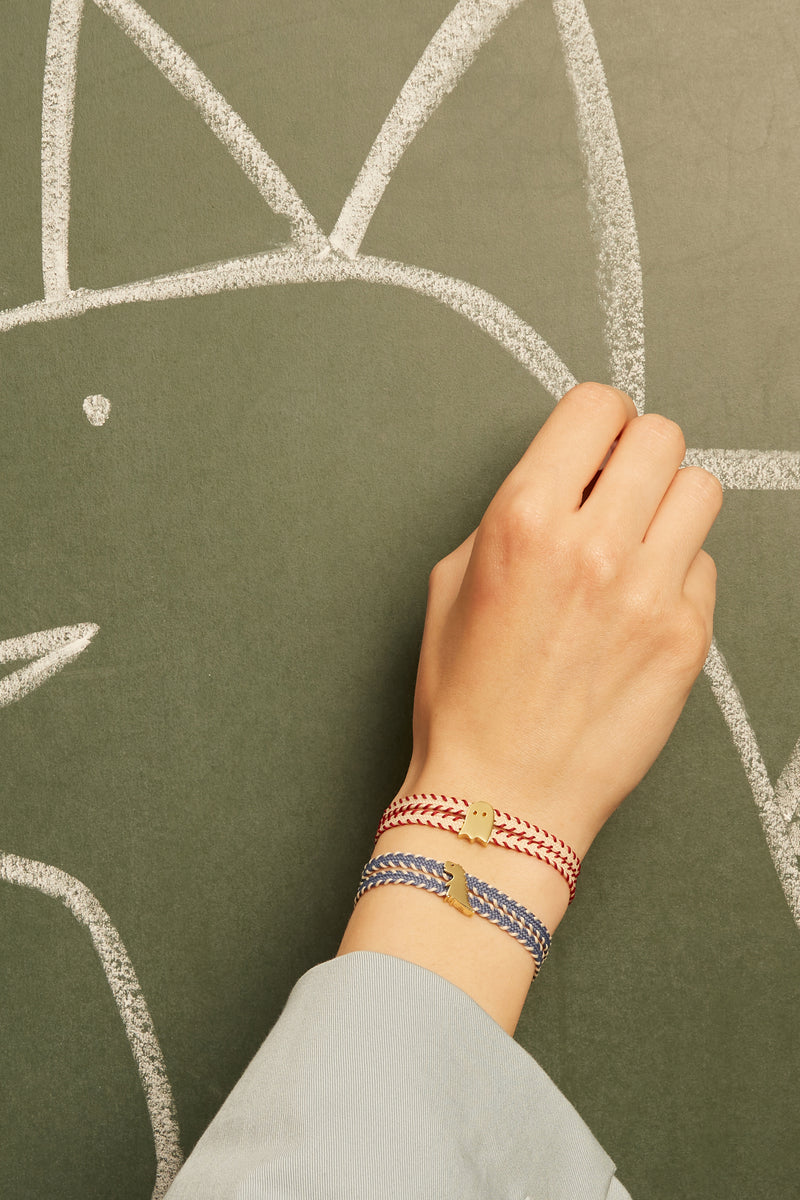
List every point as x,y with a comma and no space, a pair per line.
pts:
570,448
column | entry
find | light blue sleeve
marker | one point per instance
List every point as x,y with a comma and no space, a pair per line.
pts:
381,1080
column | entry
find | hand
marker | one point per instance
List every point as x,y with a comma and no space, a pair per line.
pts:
563,637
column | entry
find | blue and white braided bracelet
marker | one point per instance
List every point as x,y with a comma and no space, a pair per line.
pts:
472,896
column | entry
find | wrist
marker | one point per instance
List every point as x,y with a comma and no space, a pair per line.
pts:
477,956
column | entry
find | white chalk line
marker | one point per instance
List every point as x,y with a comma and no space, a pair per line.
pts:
31,645
445,59
187,79
51,649
292,265
764,470
610,205
776,806
447,56
621,292
58,111
128,996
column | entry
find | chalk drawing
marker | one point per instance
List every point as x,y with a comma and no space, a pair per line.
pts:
619,273
444,60
52,649
58,108
97,409
310,256
777,806
128,995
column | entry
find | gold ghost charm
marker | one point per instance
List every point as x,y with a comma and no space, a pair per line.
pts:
478,823
457,893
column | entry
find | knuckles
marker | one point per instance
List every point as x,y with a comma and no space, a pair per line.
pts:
706,486
600,395
594,575
598,564
521,526
663,430
528,536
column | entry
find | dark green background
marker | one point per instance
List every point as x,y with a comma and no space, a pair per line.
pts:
253,527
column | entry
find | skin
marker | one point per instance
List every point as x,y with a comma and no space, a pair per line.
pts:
561,642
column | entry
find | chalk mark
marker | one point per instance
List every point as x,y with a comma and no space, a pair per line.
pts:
187,78
58,112
58,102
619,273
51,649
127,994
290,264
444,60
776,805
755,470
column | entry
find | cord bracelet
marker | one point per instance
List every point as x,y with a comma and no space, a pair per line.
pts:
467,893
480,822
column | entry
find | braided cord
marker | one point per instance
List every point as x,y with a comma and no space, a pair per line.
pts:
486,901
513,833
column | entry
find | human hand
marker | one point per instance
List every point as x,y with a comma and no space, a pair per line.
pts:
563,637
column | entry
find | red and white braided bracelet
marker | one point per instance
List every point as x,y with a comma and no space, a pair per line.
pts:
482,823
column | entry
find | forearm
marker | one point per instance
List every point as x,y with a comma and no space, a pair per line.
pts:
483,960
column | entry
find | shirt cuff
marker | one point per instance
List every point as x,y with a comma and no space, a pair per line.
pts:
382,1079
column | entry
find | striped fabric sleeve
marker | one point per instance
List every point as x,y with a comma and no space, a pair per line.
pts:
381,1080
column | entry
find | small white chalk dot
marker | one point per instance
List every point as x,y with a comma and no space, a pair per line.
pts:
97,409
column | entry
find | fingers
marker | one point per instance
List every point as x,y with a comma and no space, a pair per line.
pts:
569,448
642,495
638,473
681,523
